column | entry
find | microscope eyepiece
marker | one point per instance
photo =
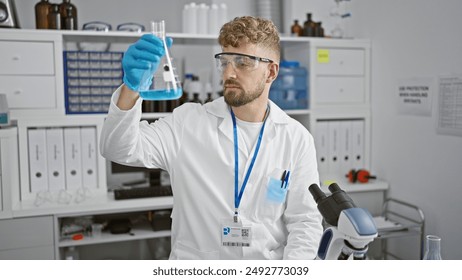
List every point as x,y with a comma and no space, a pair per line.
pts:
316,193
334,188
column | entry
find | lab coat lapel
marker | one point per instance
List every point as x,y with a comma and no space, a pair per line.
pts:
220,109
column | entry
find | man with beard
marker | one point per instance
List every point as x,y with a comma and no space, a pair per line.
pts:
240,167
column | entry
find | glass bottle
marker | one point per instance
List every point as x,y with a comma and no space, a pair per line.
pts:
186,86
309,26
209,98
296,29
69,21
71,254
42,9
433,248
64,8
196,98
165,84
319,31
54,17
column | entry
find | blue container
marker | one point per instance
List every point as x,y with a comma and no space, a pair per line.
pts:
290,90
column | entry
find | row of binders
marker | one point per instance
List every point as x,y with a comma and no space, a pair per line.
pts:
62,158
339,146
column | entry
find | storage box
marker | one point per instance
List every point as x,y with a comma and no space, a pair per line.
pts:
160,220
290,90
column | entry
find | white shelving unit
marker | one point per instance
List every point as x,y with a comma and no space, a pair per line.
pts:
339,89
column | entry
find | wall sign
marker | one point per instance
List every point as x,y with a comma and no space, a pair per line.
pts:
414,96
450,105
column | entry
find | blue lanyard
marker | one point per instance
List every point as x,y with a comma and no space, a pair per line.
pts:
238,194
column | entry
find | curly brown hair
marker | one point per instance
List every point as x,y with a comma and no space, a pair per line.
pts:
247,29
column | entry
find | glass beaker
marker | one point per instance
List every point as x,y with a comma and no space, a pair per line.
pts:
165,83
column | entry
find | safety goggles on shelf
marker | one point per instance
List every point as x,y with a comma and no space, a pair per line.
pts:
239,61
103,26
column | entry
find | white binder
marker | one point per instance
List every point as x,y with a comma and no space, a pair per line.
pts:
89,154
73,158
321,141
55,159
334,150
38,171
346,154
358,139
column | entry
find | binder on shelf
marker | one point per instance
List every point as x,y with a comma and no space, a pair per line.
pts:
38,171
334,150
321,141
55,159
345,150
73,158
89,154
357,129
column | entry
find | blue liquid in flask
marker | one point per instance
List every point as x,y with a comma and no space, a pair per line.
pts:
164,81
161,94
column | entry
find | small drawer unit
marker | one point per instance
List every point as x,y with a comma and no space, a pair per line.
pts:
26,58
341,74
28,74
27,238
90,78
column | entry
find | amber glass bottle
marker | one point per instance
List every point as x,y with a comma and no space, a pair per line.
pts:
296,29
209,98
68,13
42,9
196,98
54,17
309,26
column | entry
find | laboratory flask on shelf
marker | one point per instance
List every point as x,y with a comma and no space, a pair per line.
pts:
165,84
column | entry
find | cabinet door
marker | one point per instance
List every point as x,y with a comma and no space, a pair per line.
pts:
32,253
26,92
26,58
23,236
339,62
345,90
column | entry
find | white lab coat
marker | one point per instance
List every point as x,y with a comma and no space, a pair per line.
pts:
195,145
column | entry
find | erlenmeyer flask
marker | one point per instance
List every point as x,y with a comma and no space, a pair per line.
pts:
165,83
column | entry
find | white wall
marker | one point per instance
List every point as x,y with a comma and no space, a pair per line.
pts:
415,38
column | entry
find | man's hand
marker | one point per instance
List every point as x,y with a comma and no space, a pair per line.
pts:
141,60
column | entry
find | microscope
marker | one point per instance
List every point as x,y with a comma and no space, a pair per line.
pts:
350,228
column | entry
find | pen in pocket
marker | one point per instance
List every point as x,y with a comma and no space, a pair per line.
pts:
286,179
283,178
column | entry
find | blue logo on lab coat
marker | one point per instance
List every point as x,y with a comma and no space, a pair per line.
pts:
226,230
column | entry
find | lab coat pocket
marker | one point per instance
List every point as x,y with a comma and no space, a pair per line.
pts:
275,191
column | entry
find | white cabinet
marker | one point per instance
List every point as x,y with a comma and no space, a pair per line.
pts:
9,170
31,72
27,58
27,238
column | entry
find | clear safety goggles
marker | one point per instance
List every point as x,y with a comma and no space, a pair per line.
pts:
239,61
104,26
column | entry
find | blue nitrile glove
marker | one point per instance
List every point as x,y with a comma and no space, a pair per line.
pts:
141,60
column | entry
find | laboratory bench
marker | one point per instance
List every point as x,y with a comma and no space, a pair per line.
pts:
35,231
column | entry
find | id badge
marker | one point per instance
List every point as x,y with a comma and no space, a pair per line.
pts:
235,234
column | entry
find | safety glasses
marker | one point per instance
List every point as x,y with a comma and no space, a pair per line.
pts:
239,61
103,26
